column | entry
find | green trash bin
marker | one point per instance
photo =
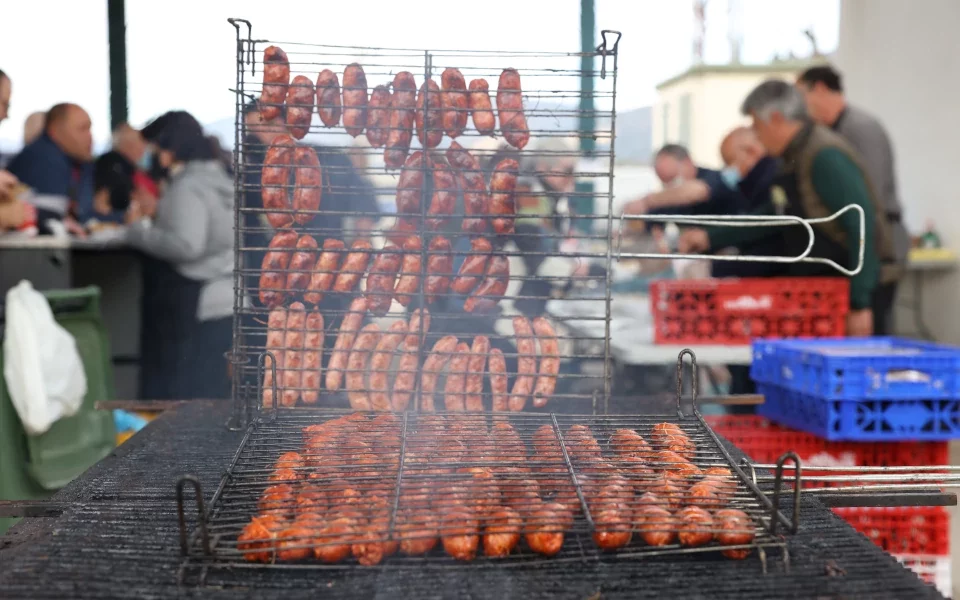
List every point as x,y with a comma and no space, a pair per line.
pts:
36,466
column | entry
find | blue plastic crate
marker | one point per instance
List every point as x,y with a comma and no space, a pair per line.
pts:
874,420
860,368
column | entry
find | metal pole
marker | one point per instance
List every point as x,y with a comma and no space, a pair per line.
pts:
582,202
117,36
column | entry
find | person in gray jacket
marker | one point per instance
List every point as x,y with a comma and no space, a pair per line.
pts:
190,236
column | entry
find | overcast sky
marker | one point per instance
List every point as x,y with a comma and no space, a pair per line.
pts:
181,53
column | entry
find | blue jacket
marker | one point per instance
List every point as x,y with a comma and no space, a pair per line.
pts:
44,167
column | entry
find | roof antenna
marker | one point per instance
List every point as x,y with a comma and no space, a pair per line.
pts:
813,40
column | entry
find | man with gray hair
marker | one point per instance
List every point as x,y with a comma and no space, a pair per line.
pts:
821,174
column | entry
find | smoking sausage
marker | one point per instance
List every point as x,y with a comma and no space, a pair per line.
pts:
428,118
444,195
696,527
439,268
419,319
276,78
492,288
497,369
502,532
307,190
455,102
381,279
354,99
276,324
735,529
401,230
348,333
312,357
298,272
357,390
328,98
403,105
474,266
299,106
410,185
513,123
502,203
378,116
544,532
460,533
354,266
526,363
409,360
480,107
475,368
549,361
293,354
325,271
475,199
432,366
611,529
380,365
273,276
275,181
408,279
453,387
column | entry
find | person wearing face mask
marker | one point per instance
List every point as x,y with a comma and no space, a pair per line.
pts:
129,143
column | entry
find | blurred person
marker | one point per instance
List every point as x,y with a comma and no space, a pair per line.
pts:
114,188
821,175
225,156
13,212
33,127
362,225
129,143
191,235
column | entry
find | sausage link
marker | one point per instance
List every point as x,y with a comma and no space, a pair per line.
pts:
549,361
354,99
378,116
276,78
502,202
475,198
300,96
484,299
526,363
453,387
380,365
354,266
497,371
293,354
357,391
381,279
410,185
312,357
273,275
401,230
408,281
409,360
444,199
298,271
439,268
481,108
419,318
325,271
274,181
428,119
475,368
403,105
328,98
513,123
437,359
307,190
455,102
276,324
474,266
341,348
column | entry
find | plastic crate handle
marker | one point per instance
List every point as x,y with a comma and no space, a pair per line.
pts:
906,376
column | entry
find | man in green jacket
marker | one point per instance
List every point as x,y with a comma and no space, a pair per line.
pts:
821,175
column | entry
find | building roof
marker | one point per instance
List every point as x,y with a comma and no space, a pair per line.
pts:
777,66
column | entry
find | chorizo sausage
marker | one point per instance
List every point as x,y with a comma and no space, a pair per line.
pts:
475,199
299,106
438,358
656,525
485,297
408,280
513,123
273,276
544,532
735,529
298,271
328,98
453,387
502,532
276,324
475,369
497,370
428,118
695,528
549,361
307,190
460,533
502,202
480,107
403,105
406,374
611,529
526,363
378,116
276,78
275,181
474,266
401,230
354,99
444,195
357,391
293,354
410,185
348,333
312,357
353,268
325,271
439,268
455,102
419,319
381,279
380,365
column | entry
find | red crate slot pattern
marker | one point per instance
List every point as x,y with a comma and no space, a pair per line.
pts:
935,570
734,311
907,530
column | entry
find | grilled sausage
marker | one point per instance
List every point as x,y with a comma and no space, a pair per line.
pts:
378,116
296,541
549,361
380,365
403,105
453,387
354,99
444,199
611,530
545,532
312,358
408,280
307,190
381,279
273,276
494,285
325,271
474,266
736,529
656,525
661,431
475,199
353,268
257,541
410,185
333,541
526,363
276,78
460,534
428,117
298,271
502,202
695,527
401,230
455,102
276,324
420,319
497,369
357,390
435,362
702,494
475,369
418,532
341,348
275,181
627,442
293,354
439,268
328,98
299,106
481,108
513,123
502,532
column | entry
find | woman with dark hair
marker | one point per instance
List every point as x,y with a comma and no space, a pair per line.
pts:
190,236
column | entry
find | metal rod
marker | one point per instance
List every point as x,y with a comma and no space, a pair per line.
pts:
855,500
862,468
902,477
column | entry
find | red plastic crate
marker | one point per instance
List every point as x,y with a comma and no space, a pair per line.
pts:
734,311
909,530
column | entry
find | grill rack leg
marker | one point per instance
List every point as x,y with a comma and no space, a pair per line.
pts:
201,516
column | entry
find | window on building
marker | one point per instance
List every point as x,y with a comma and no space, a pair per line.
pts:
684,122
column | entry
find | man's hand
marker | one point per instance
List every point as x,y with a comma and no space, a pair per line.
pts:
860,323
640,206
693,241
7,183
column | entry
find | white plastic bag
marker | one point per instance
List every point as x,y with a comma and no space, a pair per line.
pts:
41,365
